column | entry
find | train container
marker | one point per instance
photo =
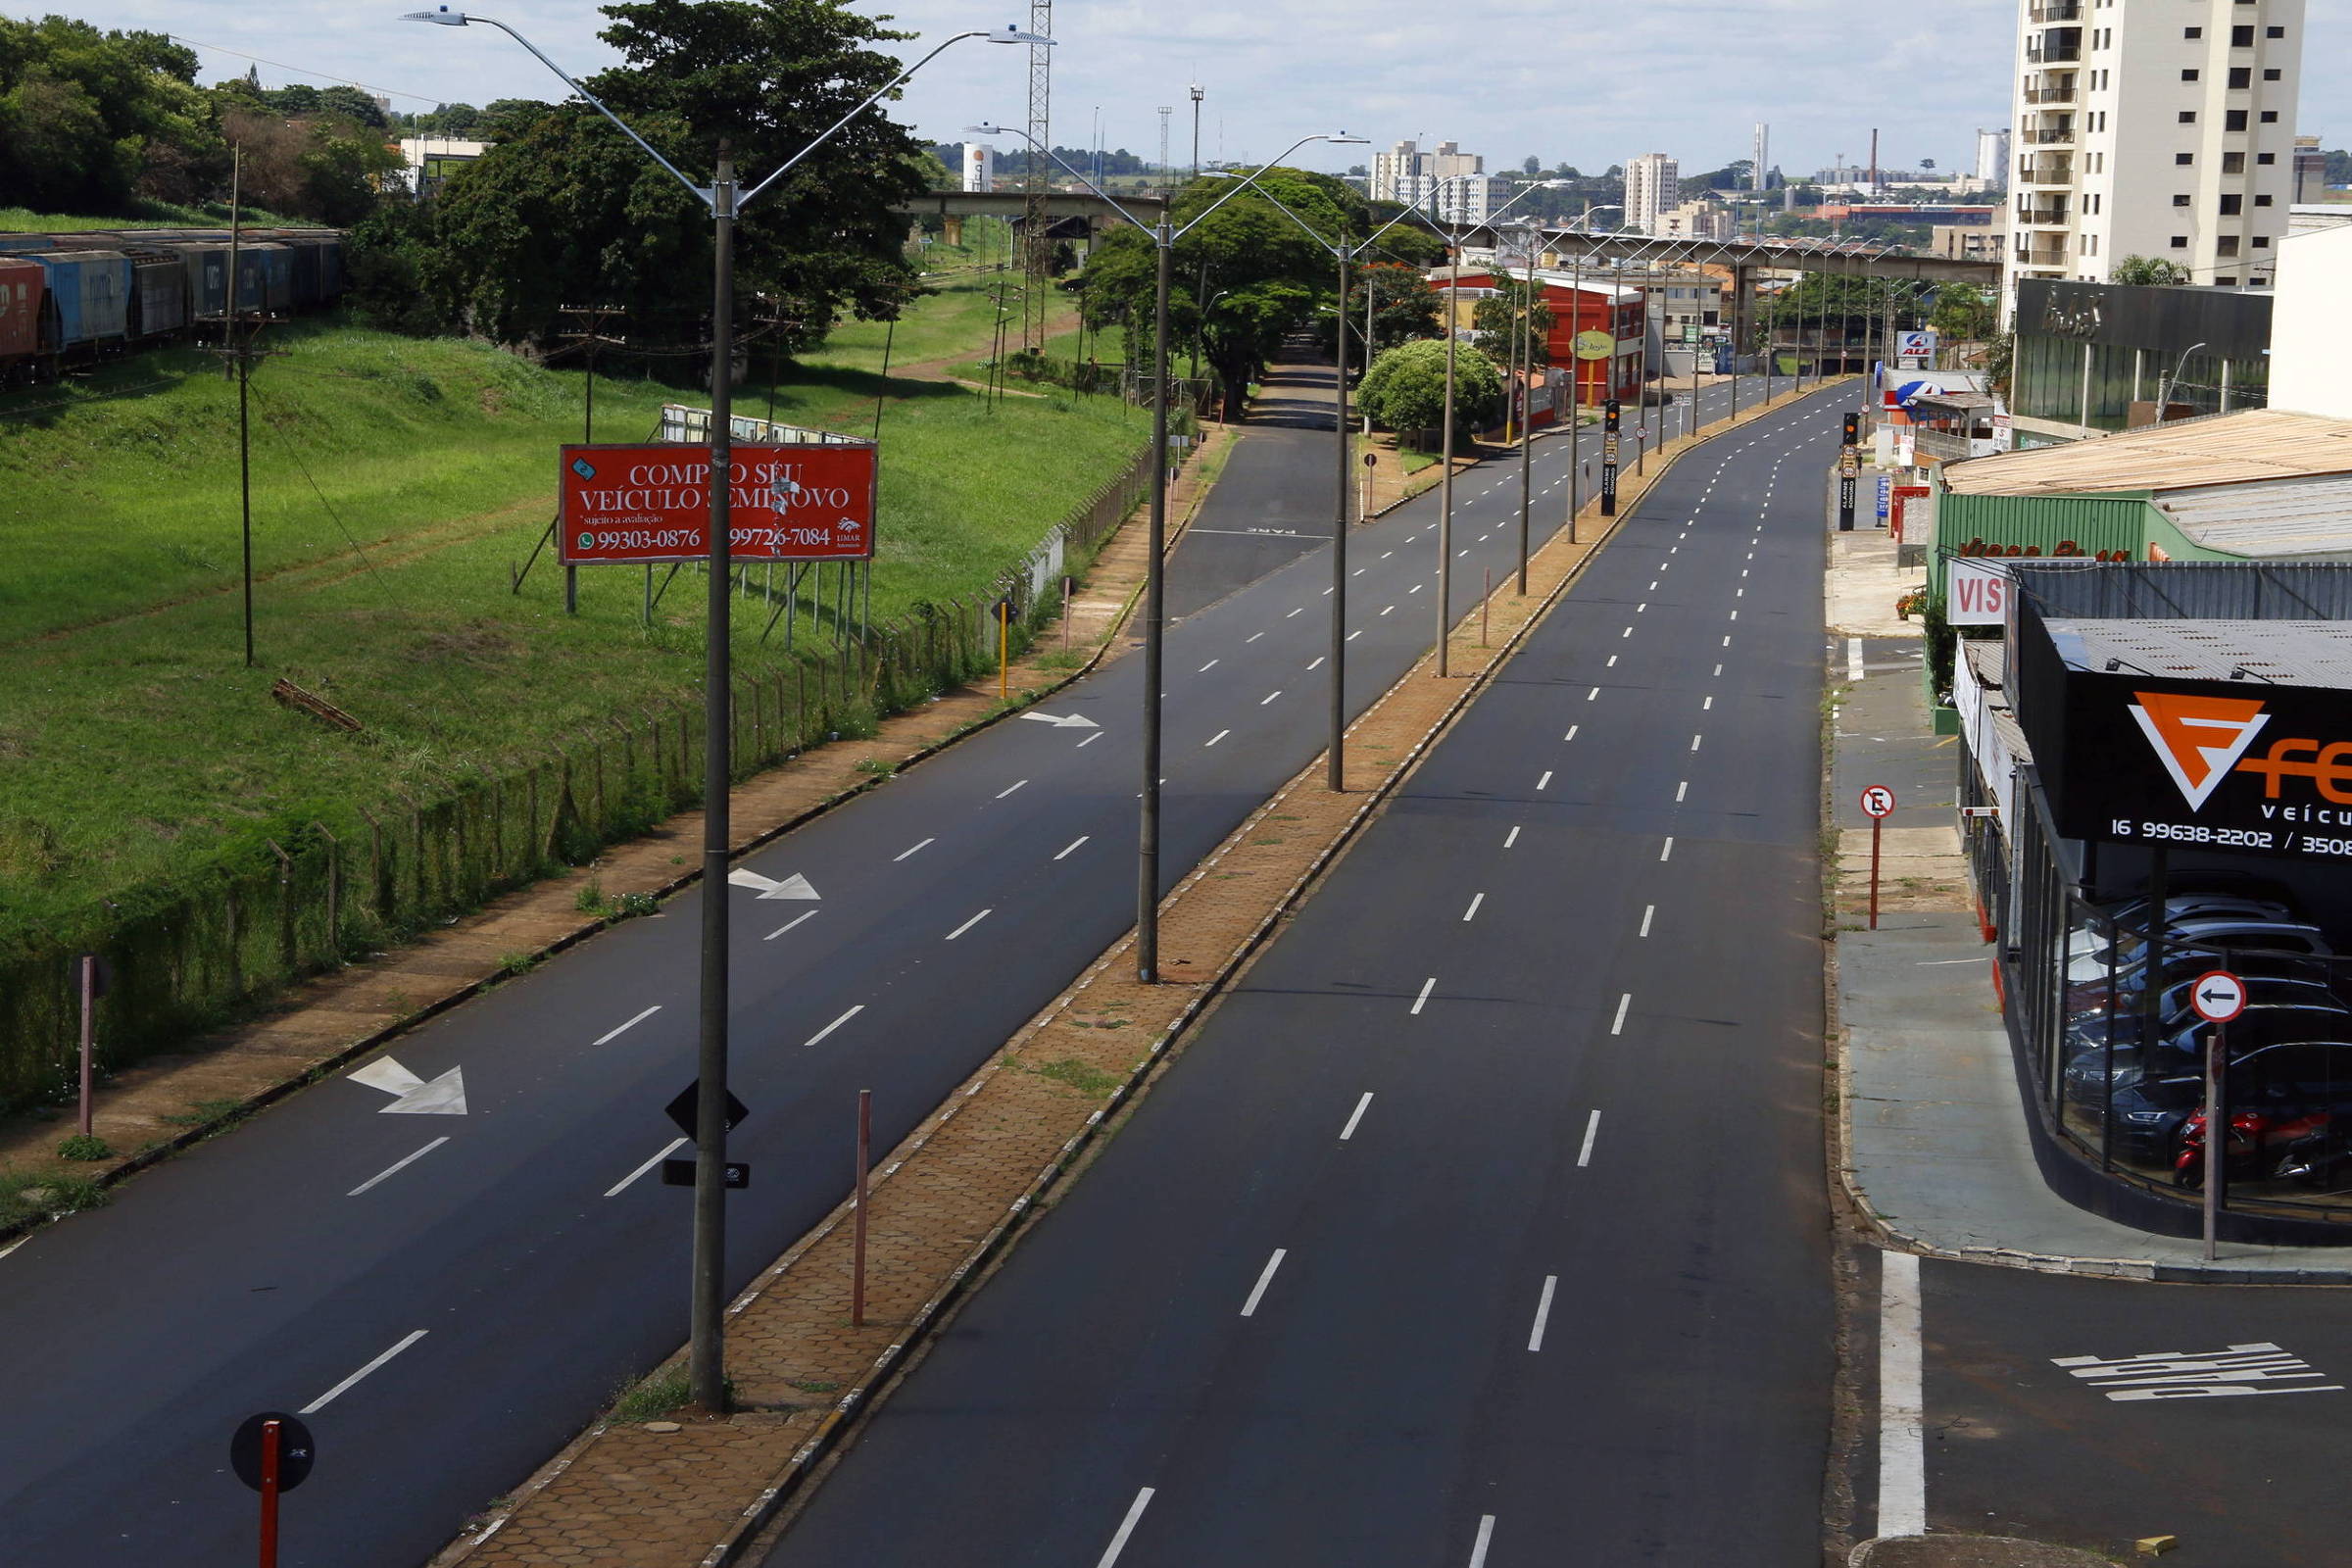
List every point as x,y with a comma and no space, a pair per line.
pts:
160,286
89,303
265,279
27,242
203,270
20,291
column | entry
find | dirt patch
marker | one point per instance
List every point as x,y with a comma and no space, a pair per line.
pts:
481,644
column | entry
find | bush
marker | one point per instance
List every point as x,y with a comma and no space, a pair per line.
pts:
1405,388
85,1146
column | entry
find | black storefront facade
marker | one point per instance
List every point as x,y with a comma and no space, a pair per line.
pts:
2178,730
2094,358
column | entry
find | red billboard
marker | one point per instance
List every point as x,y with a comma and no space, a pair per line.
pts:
652,502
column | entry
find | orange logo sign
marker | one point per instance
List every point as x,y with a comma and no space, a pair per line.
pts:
2199,739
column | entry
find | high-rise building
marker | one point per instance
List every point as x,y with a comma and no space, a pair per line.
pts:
2154,128
1448,182
1653,186
2310,171
1992,157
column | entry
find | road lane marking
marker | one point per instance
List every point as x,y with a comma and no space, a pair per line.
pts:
1583,1156
1001,794
1476,899
1118,1542
1357,1115
1623,1003
1089,741
1353,635
968,925
611,1035
1903,1451
1386,553
1426,986
1594,692
1205,668
1627,633
1682,788
321,1402
1390,609
1612,664
1546,781
1300,611
1707,704
1415,588
903,854
1718,671
1252,637
1853,659
1081,839
1726,642
1218,736
1668,851
1258,1292
1694,740
1510,838
1648,911
1535,1334
1319,658
835,1024
1486,1534
661,1154
1570,735
400,1164
770,937
1269,697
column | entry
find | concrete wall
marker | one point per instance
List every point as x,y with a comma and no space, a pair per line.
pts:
2311,331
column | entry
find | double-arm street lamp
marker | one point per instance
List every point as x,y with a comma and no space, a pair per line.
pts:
1165,235
707,1364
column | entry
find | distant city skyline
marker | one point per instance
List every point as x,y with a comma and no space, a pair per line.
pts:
1688,78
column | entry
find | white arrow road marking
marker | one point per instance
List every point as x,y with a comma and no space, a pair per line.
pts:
321,1402
794,886
411,1095
1062,720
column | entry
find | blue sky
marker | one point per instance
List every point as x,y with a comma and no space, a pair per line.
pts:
1587,83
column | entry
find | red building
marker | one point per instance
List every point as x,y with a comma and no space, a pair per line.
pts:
1578,304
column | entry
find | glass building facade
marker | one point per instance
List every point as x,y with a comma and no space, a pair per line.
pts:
2087,352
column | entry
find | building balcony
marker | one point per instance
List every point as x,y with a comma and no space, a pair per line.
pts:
2054,11
2055,51
2048,215
2063,93
2052,256
2048,137
1950,446
2045,171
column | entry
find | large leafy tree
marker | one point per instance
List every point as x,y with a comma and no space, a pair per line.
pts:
79,110
1498,320
566,210
1406,389
1403,305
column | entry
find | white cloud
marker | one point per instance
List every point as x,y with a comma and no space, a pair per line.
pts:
1587,83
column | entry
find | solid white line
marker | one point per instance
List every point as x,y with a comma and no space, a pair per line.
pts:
1269,697
1205,668
614,1034
1318,661
1002,793
1361,1106
1486,1534
835,1024
1476,899
772,935
1426,985
1118,1542
1075,843
1583,1156
1902,1451
1510,838
321,1402
403,1163
667,1150
1250,1307
1623,1003
1546,781
1218,736
1089,741
1535,1334
903,854
1647,910
968,924
1853,659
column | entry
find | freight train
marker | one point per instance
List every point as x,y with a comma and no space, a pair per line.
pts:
73,299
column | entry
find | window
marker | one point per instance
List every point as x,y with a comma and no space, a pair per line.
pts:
2188,117
2233,162
2234,120
2189,75
2227,245
2241,37
2270,117
2261,242
2273,32
2193,33
2179,242
2262,201
2241,76
2232,281
2180,199
2265,159
2232,204
2184,159
2270,73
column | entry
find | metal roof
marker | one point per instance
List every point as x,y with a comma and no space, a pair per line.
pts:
2223,449
2308,515
2258,652
2084,589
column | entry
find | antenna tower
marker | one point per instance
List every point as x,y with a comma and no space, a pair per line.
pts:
1165,181
1036,244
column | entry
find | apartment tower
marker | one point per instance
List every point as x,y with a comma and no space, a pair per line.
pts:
2154,128
1448,182
1654,187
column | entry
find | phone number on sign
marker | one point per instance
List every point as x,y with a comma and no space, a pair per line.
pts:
650,539
2228,838
692,539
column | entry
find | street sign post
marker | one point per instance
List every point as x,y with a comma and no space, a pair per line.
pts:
1877,803
734,1174
2217,996
271,1452
1609,420
1849,465
681,1109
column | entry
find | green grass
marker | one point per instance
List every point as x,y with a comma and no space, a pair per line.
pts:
954,321
396,482
144,215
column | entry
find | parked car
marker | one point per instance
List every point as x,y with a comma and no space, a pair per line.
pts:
2281,1085
2087,947
2278,1011
2089,999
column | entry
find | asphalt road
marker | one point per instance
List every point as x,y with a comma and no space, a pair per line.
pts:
1485,1223
451,1296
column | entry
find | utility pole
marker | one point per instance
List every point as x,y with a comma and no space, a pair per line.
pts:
1197,94
237,354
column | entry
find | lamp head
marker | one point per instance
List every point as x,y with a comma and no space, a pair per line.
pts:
1342,139
984,128
1008,34
444,17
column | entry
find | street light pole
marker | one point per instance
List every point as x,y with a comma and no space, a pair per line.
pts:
706,1352
1337,766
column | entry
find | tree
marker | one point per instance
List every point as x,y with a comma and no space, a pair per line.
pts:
1403,305
2149,270
1531,166
294,98
565,208
1406,390
509,118
1964,312
351,104
81,111
1497,319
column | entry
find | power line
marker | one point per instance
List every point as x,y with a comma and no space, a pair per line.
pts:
303,71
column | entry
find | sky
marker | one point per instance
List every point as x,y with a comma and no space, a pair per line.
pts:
1587,84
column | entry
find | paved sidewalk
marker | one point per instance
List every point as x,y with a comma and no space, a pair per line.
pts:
1935,1148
